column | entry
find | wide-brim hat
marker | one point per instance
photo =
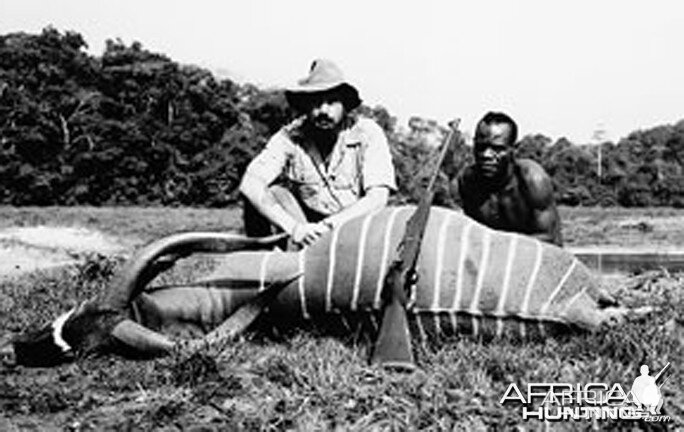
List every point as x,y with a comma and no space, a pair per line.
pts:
324,76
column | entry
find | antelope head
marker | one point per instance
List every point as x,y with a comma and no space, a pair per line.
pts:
102,325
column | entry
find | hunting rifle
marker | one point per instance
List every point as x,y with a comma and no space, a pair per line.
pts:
393,348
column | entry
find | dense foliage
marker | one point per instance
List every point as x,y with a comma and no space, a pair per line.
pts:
128,127
644,169
135,127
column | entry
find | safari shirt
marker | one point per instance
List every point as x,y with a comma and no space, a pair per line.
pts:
359,160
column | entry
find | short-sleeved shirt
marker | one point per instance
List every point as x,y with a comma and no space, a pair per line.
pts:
359,160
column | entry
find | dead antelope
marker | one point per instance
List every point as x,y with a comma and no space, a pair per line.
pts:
471,280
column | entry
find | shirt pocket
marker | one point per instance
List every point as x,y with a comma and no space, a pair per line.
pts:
301,173
347,175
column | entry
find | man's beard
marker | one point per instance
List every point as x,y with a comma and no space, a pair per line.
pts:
323,130
324,123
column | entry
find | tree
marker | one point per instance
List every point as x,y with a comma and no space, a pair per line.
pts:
135,127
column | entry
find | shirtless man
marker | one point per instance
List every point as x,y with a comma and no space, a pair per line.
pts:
506,193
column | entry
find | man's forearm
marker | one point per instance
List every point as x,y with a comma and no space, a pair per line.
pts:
265,203
547,226
375,199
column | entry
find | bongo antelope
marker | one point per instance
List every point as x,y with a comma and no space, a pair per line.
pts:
471,280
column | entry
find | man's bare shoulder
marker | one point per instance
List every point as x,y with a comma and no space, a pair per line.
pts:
537,182
531,170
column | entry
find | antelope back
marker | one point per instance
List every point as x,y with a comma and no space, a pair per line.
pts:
470,278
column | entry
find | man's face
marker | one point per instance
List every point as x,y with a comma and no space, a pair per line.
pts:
493,152
326,112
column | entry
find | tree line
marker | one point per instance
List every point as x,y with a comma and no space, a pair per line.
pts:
134,127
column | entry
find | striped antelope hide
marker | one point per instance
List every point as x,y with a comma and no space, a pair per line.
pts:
471,280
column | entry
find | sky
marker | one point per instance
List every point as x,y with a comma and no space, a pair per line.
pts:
559,67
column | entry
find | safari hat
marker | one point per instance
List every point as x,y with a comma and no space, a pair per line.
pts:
324,76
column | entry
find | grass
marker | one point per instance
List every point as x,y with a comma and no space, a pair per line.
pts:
307,381
654,227
136,224
581,225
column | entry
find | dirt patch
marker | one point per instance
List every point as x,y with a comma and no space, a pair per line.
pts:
24,249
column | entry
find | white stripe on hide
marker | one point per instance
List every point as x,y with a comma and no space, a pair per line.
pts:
385,257
541,325
499,327
481,271
524,309
360,261
506,283
572,301
438,324
421,330
262,269
454,322
302,291
544,309
331,269
439,265
476,325
461,265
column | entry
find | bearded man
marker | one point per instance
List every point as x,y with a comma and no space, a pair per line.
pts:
327,166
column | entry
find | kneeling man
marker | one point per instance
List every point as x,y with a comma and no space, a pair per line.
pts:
506,193
328,166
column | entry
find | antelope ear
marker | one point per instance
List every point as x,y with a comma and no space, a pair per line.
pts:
140,341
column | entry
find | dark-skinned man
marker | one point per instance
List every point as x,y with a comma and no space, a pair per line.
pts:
506,193
326,167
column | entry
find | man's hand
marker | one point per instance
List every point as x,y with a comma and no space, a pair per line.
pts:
305,234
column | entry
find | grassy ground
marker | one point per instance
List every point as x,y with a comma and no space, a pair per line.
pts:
581,225
654,227
136,224
307,382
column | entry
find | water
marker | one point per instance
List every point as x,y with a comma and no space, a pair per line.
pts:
609,263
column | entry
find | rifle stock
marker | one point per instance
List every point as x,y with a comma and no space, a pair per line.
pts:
393,347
